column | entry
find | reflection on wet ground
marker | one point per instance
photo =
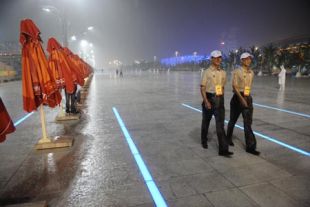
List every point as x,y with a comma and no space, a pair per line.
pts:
99,169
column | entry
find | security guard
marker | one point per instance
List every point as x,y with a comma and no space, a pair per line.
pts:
241,102
212,90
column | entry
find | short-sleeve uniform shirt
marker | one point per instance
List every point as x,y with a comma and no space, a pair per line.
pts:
212,77
242,78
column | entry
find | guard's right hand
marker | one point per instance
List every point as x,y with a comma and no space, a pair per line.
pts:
244,103
207,104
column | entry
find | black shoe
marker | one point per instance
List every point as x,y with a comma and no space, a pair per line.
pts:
75,112
225,153
231,144
253,152
204,145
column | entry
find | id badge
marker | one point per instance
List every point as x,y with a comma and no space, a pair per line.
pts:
247,91
218,90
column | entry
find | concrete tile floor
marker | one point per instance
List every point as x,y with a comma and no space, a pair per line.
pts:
99,169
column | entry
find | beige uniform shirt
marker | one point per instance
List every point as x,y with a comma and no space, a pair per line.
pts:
242,78
212,77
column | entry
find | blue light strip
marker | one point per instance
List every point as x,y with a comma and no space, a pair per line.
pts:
271,139
22,119
172,61
156,195
283,110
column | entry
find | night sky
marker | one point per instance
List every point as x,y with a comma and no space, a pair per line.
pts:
141,29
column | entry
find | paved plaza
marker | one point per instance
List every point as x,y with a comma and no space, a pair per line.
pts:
161,113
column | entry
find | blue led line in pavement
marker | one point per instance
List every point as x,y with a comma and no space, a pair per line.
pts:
272,139
156,195
283,110
22,119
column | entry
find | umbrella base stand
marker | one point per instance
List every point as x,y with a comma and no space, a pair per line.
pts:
56,142
79,106
83,96
33,204
62,116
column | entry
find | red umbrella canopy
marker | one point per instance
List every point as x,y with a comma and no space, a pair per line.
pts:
86,69
52,47
6,124
74,66
37,82
59,65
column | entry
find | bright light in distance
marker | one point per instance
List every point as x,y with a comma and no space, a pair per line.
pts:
90,28
91,44
92,51
46,9
73,38
84,43
222,43
256,48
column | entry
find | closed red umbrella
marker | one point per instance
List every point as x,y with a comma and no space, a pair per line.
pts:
38,84
60,65
6,124
75,66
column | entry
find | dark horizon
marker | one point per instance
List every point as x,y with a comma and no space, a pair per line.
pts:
141,29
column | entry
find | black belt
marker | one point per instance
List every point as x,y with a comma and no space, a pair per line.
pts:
241,93
212,95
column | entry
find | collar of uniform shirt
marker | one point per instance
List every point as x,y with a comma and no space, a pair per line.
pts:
247,70
215,68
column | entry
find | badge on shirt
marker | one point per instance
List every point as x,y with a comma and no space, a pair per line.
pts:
247,90
218,90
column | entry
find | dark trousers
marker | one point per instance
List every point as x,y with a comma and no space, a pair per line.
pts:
70,102
218,110
236,108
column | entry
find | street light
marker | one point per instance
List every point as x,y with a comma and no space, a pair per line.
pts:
61,15
86,52
195,55
81,35
73,38
83,43
176,57
46,9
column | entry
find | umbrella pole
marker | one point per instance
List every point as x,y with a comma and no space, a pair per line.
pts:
44,139
55,142
62,108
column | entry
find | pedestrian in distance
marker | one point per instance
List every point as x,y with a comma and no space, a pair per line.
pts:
282,76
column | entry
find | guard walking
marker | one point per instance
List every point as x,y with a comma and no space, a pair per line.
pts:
242,103
212,90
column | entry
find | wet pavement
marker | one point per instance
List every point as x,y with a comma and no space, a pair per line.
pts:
100,170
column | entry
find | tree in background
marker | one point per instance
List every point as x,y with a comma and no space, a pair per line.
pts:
269,53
